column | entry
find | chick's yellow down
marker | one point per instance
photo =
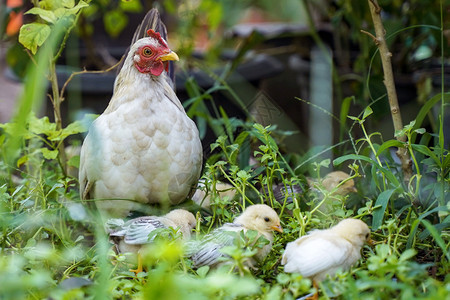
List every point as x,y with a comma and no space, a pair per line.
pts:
260,218
324,252
332,182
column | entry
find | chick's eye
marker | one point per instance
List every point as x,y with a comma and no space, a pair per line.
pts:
147,52
367,235
266,219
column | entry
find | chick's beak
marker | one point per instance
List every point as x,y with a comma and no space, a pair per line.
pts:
370,242
169,56
277,228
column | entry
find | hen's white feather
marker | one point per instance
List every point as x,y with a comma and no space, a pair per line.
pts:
143,148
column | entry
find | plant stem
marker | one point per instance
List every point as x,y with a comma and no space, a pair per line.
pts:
56,101
389,82
374,152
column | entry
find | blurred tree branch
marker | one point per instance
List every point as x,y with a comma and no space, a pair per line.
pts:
385,54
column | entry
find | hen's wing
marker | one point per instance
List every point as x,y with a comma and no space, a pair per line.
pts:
86,186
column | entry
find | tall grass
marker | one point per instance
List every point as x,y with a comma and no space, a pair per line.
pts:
52,246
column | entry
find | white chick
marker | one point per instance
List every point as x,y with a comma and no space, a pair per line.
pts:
130,236
324,252
260,217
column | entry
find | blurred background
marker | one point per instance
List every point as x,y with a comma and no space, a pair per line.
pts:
301,65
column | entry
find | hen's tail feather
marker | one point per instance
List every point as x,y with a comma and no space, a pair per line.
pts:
152,20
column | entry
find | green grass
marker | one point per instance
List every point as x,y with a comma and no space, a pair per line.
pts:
53,246
49,238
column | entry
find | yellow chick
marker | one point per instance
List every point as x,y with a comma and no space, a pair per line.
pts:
331,181
130,236
259,217
324,252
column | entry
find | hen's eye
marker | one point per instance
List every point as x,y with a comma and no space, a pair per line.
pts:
266,219
147,52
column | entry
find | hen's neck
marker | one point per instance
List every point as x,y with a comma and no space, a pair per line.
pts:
130,84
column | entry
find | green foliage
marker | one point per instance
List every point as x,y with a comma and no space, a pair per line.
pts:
114,15
33,35
52,246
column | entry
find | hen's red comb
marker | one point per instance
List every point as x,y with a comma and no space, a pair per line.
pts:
156,35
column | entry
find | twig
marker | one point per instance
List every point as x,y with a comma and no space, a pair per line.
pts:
389,82
374,38
86,72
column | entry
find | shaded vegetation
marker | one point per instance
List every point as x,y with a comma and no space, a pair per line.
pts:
52,245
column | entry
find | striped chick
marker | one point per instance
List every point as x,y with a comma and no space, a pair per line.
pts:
260,218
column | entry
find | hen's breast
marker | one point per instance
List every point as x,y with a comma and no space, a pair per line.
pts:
145,150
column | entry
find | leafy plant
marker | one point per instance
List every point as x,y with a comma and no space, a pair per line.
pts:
52,246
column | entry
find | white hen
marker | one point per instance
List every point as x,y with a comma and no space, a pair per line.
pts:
143,149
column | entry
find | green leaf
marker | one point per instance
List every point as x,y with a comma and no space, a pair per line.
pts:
389,144
423,113
22,160
41,126
115,21
283,278
244,175
341,159
391,177
33,35
367,112
74,161
74,10
49,154
354,118
437,237
51,4
420,131
215,13
227,124
71,129
378,213
324,163
46,15
416,222
68,3
202,271
34,91
131,6
407,254
426,151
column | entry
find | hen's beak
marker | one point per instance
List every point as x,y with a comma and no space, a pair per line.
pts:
277,228
169,56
